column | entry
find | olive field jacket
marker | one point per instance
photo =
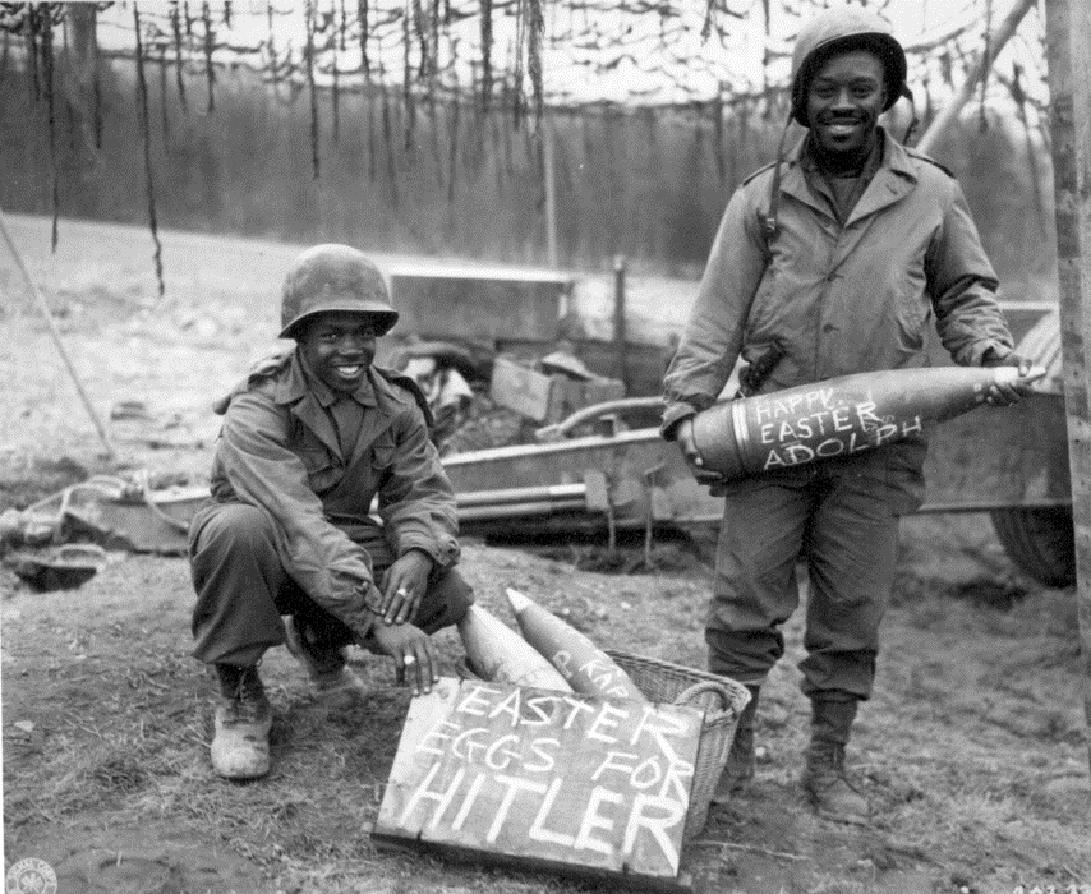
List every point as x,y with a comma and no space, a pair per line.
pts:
278,450
836,299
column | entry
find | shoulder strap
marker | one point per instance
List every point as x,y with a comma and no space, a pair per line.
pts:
400,380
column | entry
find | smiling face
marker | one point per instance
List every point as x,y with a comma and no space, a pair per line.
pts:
844,100
338,347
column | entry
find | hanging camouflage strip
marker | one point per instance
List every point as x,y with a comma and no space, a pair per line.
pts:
309,14
274,65
407,77
517,66
497,153
369,98
210,74
335,92
535,30
433,124
455,114
227,13
189,20
32,52
361,14
97,91
983,123
718,134
46,25
1019,97
706,25
424,38
388,139
486,53
145,132
164,122
433,64
505,127
767,22
176,32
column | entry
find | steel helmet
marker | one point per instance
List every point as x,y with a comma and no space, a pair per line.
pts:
837,30
334,277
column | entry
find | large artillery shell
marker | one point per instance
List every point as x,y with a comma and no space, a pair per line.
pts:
500,655
837,417
585,666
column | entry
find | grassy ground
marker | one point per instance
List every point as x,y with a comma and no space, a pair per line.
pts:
972,750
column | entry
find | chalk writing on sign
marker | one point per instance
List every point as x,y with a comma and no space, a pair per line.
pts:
820,423
558,777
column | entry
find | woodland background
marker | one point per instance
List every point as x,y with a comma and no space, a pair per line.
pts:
445,176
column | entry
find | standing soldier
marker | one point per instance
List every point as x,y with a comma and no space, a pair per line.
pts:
308,441
832,260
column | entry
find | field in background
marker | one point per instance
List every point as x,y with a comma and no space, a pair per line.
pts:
972,750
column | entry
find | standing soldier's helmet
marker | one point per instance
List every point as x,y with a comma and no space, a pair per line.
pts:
334,278
836,31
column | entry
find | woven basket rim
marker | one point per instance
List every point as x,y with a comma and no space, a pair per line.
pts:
739,694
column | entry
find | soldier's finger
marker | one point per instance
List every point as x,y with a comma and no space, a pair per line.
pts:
433,662
406,604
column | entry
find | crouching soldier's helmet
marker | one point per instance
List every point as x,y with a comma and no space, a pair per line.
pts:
839,30
334,278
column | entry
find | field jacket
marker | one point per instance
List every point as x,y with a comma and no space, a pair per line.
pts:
831,299
278,449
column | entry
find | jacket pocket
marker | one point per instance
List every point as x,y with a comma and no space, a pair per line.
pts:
383,450
912,305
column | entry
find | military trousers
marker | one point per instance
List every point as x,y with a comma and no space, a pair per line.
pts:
839,519
243,590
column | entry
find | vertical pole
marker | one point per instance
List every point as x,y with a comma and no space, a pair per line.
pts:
56,336
619,321
1068,24
550,187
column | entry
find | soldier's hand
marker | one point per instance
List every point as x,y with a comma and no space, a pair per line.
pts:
411,649
403,586
1004,394
684,436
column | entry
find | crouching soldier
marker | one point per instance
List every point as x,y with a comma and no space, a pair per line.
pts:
308,441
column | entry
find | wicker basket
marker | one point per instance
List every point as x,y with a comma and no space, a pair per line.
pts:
723,700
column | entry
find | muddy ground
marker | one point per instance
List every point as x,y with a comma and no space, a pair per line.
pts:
972,750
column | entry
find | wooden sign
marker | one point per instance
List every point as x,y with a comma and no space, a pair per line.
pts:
544,778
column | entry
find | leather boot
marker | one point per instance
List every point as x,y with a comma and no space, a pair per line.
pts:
240,744
831,793
739,769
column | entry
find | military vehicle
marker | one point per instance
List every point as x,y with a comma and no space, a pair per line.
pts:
604,464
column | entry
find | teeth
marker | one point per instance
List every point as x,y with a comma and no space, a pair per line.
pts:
348,371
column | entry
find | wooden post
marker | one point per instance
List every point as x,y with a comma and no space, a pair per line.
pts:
1068,24
619,321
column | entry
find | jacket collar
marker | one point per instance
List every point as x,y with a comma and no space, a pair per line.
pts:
300,382
308,398
895,176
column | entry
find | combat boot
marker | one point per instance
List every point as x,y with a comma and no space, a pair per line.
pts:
825,781
335,683
739,769
240,744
